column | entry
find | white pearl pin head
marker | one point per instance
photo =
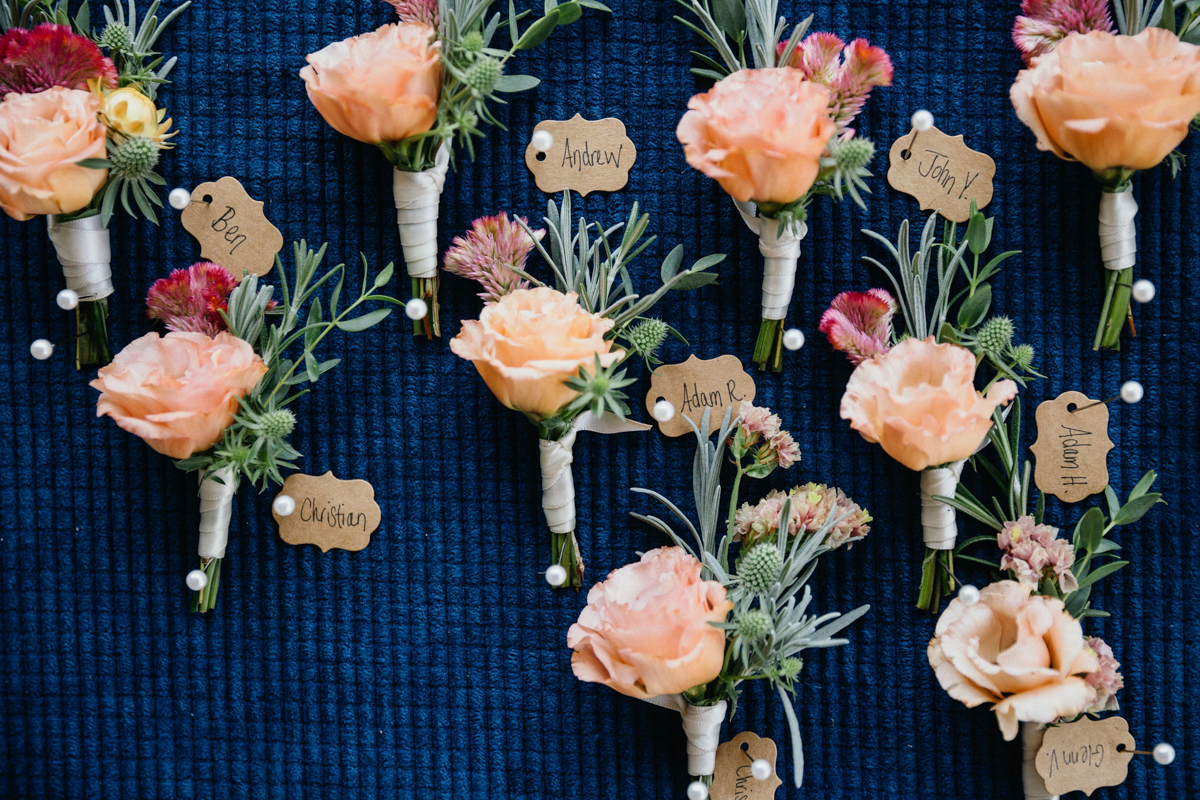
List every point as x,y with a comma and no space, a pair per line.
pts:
41,349
416,309
284,505
179,199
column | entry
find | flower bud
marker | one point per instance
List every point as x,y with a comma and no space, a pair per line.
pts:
483,74
759,568
996,334
754,625
134,158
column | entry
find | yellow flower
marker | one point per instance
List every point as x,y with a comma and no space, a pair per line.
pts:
128,112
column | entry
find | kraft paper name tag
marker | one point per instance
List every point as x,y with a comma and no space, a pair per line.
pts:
231,228
584,155
941,172
732,776
1082,756
695,385
1072,447
329,512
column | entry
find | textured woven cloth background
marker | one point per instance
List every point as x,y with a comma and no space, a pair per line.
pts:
433,663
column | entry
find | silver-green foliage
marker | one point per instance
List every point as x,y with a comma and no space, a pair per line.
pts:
785,603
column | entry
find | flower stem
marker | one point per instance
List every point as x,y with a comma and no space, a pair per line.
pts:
206,599
564,552
427,290
1117,289
733,498
937,579
91,334
768,350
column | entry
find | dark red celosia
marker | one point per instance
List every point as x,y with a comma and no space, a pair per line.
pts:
51,55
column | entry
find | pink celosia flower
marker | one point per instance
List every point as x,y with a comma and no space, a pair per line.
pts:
849,71
860,323
191,300
812,505
1107,680
50,55
425,11
489,252
1033,551
1044,23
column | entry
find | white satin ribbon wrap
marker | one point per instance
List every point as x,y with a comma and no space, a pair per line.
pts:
781,255
558,483
1031,741
702,725
938,519
1118,234
216,508
83,249
418,196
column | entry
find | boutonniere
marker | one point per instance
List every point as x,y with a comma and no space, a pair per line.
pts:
559,353
776,131
688,625
1077,64
214,393
419,88
80,128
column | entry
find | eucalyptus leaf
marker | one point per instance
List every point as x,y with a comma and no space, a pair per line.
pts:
538,32
973,310
367,320
1135,509
510,84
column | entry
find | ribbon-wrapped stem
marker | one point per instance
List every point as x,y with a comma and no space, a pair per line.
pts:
1031,741
558,504
216,510
702,726
418,198
1118,250
85,253
779,244
939,527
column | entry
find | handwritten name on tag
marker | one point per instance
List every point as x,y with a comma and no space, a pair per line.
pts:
231,228
695,385
1085,755
941,172
732,776
1072,447
329,512
585,155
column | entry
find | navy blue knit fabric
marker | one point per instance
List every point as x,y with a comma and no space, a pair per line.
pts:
433,663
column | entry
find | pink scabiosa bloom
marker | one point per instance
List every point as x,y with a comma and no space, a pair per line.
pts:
191,300
1107,680
849,71
859,324
36,59
1032,552
1044,23
425,11
490,252
812,505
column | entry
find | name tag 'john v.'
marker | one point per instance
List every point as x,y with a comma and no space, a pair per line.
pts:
940,168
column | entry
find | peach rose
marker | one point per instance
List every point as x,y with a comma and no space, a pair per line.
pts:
918,401
529,342
381,86
43,137
646,632
179,391
760,133
1024,655
1111,101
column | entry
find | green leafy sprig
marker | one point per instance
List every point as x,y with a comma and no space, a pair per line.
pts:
732,26
933,270
1095,552
255,446
473,73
